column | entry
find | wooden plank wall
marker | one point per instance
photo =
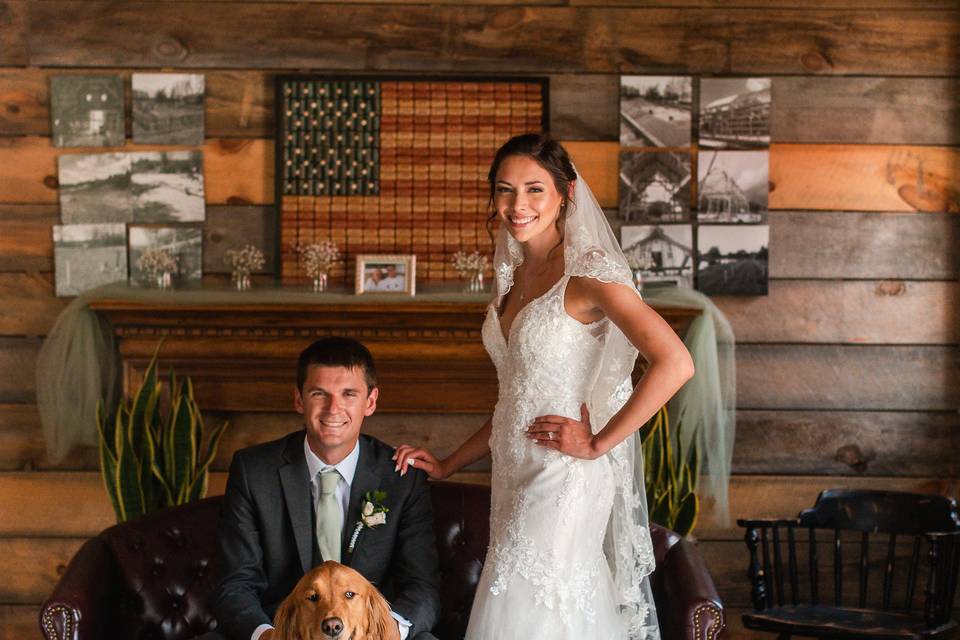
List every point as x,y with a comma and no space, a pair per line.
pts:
848,372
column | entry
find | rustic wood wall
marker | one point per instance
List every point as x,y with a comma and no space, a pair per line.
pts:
848,372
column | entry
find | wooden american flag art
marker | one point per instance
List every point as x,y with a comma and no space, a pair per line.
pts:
393,165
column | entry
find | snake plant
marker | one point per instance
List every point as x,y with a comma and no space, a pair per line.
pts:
671,478
150,450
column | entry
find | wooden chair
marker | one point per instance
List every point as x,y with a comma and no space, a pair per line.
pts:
918,536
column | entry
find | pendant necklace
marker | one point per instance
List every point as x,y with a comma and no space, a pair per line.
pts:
523,287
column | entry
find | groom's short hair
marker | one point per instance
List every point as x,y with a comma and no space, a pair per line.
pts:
337,351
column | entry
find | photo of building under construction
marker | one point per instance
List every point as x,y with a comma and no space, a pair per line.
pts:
734,113
655,186
732,186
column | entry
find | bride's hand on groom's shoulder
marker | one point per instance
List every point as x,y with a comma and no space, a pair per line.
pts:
406,456
566,435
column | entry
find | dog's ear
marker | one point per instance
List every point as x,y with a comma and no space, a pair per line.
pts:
378,616
283,619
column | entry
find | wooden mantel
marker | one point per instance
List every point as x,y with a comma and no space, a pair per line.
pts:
241,353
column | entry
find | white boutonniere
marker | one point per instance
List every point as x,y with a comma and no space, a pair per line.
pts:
372,514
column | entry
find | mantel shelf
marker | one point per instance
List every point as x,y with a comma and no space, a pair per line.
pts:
241,348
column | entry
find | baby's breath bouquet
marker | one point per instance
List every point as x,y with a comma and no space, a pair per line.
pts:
318,258
242,263
471,267
159,265
639,261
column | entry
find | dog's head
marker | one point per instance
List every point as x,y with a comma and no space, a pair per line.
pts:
333,602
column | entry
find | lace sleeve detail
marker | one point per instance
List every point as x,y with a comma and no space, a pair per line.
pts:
594,263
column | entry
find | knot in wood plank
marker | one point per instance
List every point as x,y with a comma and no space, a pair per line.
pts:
509,18
857,459
167,48
816,60
891,288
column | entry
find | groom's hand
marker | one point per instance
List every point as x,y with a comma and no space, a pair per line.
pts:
566,435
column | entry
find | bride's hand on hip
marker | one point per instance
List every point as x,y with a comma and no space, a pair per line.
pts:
406,456
566,435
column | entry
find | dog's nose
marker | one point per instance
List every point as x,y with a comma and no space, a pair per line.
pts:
332,627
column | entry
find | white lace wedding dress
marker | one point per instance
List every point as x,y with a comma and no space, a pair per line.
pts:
546,575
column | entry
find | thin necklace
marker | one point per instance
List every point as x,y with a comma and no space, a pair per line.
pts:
540,271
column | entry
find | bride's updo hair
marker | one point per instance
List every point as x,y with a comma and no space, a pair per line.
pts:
550,155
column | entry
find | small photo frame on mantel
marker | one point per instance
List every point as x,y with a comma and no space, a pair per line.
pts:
386,273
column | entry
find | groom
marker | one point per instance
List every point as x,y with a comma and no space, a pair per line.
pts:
295,502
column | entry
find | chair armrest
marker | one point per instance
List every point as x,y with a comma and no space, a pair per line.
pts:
762,523
79,605
690,607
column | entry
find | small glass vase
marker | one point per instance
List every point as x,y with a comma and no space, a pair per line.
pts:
241,280
474,282
320,282
162,280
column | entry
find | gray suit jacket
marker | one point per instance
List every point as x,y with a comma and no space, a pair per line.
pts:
267,538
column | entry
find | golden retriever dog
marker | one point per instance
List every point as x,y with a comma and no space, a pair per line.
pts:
334,602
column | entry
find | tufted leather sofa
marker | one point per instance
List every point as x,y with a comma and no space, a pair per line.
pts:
152,578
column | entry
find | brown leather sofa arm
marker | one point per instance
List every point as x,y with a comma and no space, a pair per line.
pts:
82,602
692,609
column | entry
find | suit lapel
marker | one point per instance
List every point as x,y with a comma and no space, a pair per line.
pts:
364,479
296,494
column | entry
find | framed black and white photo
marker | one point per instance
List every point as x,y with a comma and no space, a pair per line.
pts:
183,243
733,259
732,186
87,111
654,186
88,255
655,111
167,186
662,254
378,273
167,108
734,113
95,188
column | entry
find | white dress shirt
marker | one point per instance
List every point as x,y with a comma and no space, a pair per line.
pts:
347,469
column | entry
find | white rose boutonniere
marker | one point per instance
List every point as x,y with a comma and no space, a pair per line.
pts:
372,514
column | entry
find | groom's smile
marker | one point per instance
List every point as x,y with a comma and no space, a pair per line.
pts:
333,402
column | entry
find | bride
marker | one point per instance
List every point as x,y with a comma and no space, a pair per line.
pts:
570,547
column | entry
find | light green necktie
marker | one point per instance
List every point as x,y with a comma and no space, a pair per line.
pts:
328,516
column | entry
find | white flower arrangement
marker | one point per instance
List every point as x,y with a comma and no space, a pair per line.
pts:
318,257
467,264
156,261
640,260
244,261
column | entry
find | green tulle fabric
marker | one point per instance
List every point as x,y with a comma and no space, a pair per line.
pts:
706,404
78,365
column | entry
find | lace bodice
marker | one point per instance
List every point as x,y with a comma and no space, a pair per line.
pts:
548,354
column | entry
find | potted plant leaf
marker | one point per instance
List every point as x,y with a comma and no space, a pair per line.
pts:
671,479
151,447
